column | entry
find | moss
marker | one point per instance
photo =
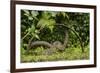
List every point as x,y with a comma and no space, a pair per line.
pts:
67,54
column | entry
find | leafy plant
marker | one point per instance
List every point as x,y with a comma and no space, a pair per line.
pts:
41,26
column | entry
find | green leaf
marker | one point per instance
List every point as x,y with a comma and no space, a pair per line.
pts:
51,24
26,12
37,36
32,29
53,13
63,14
48,23
34,13
37,31
42,23
23,26
30,18
46,15
51,28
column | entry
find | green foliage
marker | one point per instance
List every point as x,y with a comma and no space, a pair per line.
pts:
68,54
40,25
46,23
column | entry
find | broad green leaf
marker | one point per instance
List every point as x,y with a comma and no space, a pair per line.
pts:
48,23
51,24
42,23
51,21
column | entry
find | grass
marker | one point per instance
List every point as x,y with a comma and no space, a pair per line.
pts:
37,55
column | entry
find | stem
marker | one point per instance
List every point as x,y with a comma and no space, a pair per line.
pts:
25,36
29,43
75,34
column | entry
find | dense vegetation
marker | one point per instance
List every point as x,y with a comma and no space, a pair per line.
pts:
42,26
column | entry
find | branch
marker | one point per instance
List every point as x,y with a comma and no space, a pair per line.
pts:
74,33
